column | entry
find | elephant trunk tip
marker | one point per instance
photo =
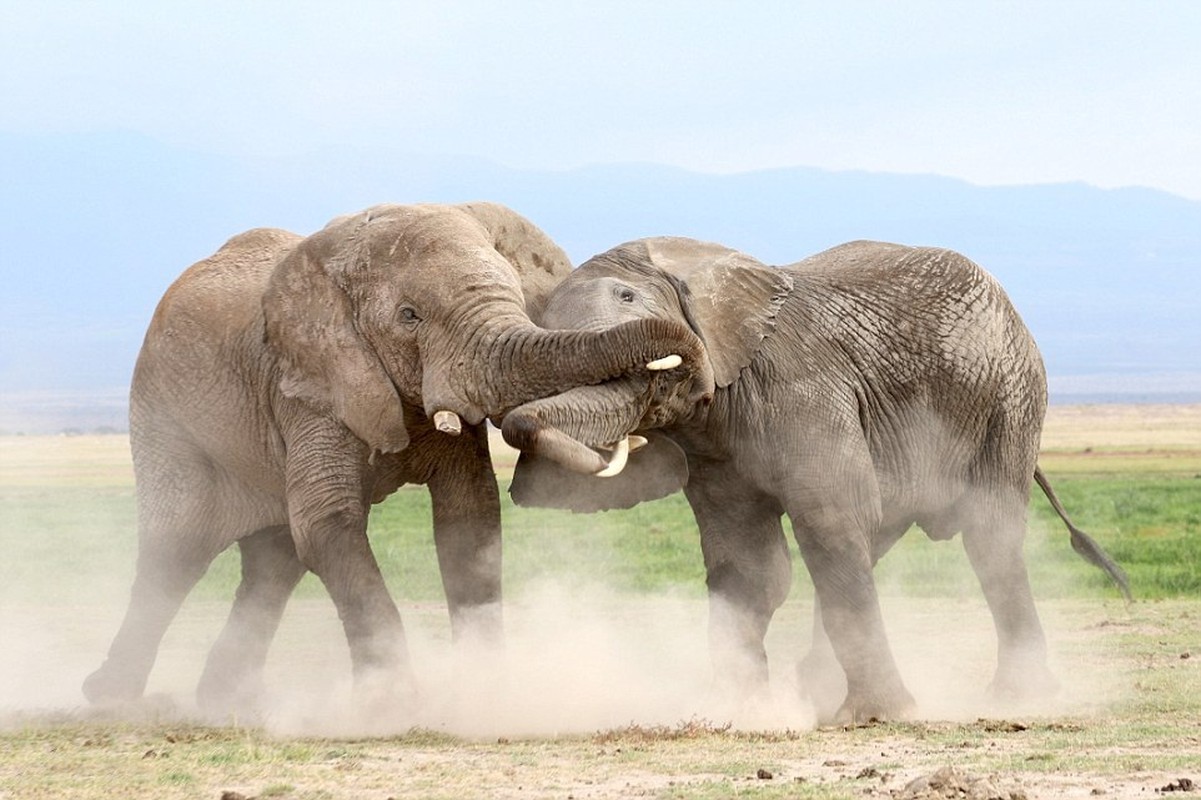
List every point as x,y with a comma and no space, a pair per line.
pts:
520,431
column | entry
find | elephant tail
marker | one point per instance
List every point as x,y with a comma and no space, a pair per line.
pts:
1082,543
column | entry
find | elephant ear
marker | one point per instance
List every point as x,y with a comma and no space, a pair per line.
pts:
310,326
655,470
540,263
732,299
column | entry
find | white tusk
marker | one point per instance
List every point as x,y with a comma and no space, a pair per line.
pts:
667,362
448,422
637,442
621,454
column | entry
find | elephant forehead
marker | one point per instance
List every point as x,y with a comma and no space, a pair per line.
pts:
425,233
382,235
595,302
577,306
421,251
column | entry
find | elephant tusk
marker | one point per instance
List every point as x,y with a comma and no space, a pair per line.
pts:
637,442
621,454
448,422
667,362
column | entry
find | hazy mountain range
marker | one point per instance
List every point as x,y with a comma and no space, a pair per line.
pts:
95,227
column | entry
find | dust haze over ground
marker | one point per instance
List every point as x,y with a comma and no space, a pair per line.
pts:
584,656
580,656
578,659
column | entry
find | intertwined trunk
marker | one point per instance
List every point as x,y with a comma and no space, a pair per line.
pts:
566,428
526,363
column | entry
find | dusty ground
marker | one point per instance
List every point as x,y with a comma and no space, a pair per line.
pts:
590,712
606,696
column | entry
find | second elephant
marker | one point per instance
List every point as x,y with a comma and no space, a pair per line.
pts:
864,390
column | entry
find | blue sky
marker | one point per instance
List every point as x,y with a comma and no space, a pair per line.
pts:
996,93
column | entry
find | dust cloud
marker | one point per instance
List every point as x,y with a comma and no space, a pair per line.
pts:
579,656
577,660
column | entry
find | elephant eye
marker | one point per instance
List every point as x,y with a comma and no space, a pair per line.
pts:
625,294
407,314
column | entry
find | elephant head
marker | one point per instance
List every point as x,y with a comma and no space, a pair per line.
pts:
727,298
432,305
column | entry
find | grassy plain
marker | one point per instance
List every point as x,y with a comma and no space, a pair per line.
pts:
606,620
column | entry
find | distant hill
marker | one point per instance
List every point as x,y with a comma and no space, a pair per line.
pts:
93,229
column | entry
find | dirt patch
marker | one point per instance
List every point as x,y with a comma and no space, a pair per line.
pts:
948,782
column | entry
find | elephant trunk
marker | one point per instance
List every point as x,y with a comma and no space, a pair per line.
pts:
568,428
526,363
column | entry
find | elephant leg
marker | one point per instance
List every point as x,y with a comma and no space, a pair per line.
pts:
172,557
467,537
835,516
749,573
327,507
819,673
232,678
993,541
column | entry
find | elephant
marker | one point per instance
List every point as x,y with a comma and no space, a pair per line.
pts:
286,383
860,391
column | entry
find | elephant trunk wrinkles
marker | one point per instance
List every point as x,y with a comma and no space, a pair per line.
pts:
531,363
567,427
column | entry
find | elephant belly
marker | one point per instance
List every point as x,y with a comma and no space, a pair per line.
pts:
934,502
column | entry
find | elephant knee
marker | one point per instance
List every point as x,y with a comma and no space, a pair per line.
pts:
753,595
329,534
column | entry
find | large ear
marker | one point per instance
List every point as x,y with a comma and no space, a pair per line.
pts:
731,299
310,326
655,470
540,263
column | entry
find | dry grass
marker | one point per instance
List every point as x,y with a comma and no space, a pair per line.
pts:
1120,438
1129,427
92,461
1128,437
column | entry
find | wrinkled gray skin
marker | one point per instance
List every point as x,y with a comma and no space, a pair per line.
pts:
865,389
287,383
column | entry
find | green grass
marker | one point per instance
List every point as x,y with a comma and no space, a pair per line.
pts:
58,540
1150,524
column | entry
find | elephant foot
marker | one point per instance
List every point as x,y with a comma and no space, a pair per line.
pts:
740,681
385,701
875,706
222,695
1032,682
743,683
478,631
111,684
822,682
479,678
